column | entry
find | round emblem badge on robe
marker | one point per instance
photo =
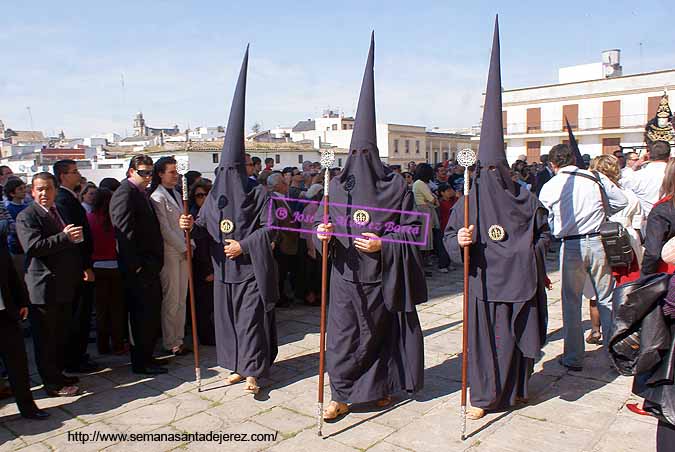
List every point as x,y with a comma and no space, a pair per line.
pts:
361,217
226,226
496,233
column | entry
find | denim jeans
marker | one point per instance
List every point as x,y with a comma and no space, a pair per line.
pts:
580,259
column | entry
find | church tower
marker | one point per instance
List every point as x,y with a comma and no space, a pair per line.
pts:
139,125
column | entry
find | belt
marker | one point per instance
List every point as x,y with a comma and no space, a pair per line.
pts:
580,236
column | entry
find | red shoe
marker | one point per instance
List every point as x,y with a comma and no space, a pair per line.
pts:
634,408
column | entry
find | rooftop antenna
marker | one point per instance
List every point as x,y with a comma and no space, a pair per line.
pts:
124,102
30,116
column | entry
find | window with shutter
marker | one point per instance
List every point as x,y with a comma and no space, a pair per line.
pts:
611,114
533,120
533,151
609,145
571,113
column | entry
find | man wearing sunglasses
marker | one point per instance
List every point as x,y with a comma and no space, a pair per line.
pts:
632,164
141,258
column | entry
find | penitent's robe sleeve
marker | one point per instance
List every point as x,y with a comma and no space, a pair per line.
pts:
258,246
455,223
403,282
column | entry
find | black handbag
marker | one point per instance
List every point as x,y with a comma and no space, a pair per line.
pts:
615,238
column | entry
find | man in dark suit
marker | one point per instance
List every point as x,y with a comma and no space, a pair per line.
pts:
52,278
13,308
72,212
141,257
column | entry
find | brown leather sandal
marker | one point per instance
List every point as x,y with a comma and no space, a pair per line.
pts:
594,337
384,402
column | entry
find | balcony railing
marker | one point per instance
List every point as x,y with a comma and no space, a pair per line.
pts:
583,124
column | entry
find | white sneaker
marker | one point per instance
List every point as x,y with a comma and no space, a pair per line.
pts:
443,270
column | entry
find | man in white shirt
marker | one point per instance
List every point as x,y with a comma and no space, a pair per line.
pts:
576,211
646,183
632,165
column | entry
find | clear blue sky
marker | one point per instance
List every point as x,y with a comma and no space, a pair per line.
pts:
179,59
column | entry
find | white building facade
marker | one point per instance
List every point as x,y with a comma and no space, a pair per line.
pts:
606,113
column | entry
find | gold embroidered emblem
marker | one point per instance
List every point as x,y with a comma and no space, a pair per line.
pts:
496,233
226,226
361,217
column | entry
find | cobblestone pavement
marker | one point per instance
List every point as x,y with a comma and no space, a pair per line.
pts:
569,411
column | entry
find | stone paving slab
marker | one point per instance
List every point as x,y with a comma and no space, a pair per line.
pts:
567,411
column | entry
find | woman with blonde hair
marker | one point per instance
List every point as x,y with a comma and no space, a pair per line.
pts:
631,219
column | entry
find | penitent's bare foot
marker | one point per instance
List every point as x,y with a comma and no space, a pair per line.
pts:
474,413
522,400
335,410
251,386
234,378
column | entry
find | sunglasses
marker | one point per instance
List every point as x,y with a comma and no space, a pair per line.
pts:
200,195
144,173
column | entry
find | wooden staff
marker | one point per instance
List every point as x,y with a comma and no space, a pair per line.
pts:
466,158
324,296
191,288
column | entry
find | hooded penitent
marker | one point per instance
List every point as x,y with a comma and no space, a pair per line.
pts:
507,297
232,213
374,341
574,146
366,184
501,210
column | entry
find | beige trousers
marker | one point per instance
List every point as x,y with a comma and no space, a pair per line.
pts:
174,277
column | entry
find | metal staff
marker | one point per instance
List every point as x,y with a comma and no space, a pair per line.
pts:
182,169
327,158
466,158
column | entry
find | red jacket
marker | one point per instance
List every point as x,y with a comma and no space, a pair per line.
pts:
103,238
445,209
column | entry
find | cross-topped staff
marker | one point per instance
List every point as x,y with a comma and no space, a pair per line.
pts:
327,159
466,158
182,168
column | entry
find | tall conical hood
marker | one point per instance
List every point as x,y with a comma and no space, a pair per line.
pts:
491,150
230,198
233,152
574,146
364,135
502,211
365,182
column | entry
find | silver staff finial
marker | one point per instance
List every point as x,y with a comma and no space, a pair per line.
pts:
327,157
182,166
466,157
